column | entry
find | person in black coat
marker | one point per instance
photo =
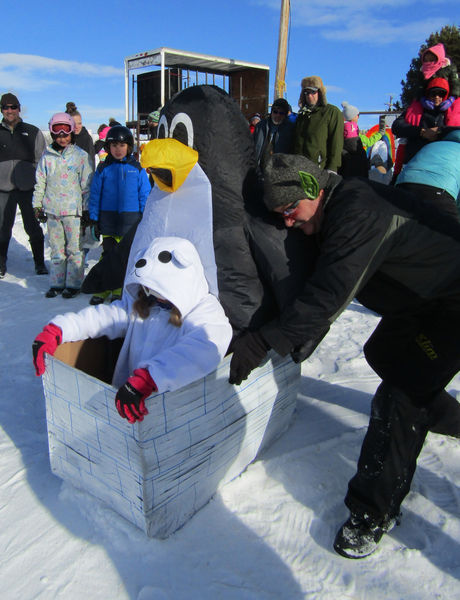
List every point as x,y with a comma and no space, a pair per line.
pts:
275,133
400,257
83,138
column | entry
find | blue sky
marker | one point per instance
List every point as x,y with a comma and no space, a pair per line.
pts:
52,52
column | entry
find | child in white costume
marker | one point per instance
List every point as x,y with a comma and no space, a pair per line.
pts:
175,331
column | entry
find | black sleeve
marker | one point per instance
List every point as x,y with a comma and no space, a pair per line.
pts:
402,129
349,256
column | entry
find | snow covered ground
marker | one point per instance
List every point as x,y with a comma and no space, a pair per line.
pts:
267,535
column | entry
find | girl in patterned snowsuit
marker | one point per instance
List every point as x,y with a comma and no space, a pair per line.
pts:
60,196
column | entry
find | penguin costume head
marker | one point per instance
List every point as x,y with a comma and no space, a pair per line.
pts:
207,119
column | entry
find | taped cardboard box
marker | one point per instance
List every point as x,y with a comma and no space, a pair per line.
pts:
159,472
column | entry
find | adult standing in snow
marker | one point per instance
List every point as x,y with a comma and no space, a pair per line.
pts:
399,256
21,146
275,133
319,126
83,138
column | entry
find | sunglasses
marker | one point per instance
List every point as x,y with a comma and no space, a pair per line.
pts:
10,106
438,93
59,128
310,92
278,112
292,208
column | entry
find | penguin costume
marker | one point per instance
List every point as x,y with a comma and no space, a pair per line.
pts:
206,190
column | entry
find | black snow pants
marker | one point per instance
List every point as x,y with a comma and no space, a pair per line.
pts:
416,355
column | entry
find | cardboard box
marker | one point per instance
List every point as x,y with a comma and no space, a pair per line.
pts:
159,472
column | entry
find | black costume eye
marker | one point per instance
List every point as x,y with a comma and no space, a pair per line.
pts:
165,256
140,263
181,129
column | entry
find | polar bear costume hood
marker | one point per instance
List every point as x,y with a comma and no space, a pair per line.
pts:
172,269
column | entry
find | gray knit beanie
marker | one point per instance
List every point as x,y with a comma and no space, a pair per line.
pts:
291,177
349,111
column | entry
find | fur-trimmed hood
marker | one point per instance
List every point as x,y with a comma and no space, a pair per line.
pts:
313,81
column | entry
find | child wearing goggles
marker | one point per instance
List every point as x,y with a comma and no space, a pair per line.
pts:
63,179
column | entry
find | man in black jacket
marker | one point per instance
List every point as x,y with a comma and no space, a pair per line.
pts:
21,146
400,257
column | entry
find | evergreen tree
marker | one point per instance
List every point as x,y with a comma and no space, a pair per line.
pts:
450,37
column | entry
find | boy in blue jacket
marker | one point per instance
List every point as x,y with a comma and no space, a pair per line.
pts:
119,191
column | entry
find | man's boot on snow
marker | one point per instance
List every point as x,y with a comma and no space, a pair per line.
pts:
2,266
39,257
359,536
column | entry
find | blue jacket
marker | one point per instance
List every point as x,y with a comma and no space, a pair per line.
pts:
119,191
436,164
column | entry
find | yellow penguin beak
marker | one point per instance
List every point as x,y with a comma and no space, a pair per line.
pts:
169,162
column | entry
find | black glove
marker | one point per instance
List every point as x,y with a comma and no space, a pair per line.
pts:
85,221
249,350
40,215
95,231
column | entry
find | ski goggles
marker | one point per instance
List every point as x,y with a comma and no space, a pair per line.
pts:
58,128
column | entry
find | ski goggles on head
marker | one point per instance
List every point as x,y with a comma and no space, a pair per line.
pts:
58,128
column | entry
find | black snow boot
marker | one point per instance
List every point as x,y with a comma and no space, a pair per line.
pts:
2,266
70,292
359,536
38,252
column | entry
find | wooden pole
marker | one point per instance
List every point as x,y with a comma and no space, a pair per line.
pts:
280,84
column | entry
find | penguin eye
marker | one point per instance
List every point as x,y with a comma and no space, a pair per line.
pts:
165,256
182,129
163,129
140,263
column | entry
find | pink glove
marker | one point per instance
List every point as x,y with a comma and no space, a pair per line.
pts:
130,398
46,341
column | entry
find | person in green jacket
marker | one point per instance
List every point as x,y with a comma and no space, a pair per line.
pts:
318,133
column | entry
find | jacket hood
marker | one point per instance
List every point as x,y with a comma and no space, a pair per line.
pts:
171,267
313,81
438,50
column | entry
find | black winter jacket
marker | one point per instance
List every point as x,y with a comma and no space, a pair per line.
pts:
391,250
354,159
20,151
85,142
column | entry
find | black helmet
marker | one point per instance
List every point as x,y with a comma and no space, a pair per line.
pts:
119,133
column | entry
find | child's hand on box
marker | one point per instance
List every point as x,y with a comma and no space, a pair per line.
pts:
130,398
46,341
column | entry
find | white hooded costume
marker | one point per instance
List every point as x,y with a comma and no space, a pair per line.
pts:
174,356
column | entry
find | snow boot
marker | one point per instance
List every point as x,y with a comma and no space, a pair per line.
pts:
53,292
2,266
38,252
70,292
116,295
359,536
40,269
99,298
